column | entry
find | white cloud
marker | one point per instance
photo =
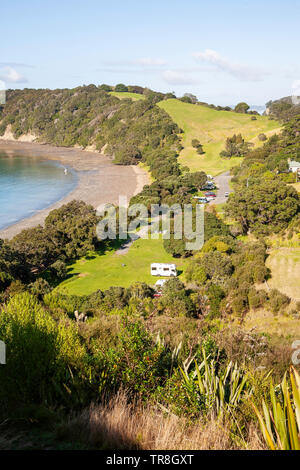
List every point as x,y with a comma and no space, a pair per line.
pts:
239,71
10,75
174,77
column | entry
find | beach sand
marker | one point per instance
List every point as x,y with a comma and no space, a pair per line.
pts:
99,180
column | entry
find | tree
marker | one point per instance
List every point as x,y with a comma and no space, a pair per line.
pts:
72,229
199,179
13,265
264,208
241,108
36,246
193,98
175,299
196,144
121,87
59,270
235,146
105,87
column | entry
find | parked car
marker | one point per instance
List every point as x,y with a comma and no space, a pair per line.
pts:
210,195
160,283
226,194
201,200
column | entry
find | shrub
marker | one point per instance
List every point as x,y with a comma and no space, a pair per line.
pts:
59,270
135,362
121,87
43,359
40,288
278,301
262,137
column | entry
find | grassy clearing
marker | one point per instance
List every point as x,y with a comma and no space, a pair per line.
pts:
125,94
264,321
212,128
104,271
284,264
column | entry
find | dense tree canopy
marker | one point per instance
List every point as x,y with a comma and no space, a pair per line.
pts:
264,208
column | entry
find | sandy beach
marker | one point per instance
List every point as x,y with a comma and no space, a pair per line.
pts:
99,180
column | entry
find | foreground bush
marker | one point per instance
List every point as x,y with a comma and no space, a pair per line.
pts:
44,360
280,423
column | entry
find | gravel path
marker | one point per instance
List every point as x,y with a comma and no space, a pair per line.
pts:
222,182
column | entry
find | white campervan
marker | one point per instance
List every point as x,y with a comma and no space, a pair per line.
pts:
163,269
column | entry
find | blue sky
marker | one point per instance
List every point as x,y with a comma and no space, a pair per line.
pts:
222,51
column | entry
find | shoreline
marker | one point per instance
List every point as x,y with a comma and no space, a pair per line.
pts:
99,179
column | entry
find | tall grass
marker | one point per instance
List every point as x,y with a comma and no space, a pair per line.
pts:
280,422
120,425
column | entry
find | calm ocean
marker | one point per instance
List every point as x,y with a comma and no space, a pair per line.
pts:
29,184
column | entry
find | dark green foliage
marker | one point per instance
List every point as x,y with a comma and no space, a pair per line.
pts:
215,296
89,115
235,147
136,362
175,300
196,144
59,270
277,301
264,208
283,109
176,189
40,287
121,87
212,227
105,87
69,232
12,265
241,108
43,360
216,266
72,228
193,98
36,246
227,268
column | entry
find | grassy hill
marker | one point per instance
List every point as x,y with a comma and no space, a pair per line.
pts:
125,94
211,128
103,271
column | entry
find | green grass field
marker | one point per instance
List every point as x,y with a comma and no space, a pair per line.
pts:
124,94
104,271
211,128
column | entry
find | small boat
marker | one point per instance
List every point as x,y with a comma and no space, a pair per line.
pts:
65,171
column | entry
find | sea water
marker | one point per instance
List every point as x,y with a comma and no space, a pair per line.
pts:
30,184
